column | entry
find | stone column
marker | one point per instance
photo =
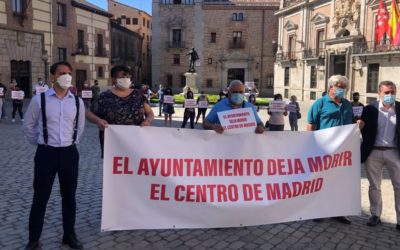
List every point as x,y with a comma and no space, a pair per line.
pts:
191,82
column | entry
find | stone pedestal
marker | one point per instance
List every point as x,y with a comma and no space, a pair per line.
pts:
191,82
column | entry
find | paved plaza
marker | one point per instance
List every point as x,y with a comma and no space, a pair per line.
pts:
16,178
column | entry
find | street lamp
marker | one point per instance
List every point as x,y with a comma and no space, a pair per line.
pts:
45,59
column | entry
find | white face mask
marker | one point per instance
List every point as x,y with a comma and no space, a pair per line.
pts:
123,83
65,81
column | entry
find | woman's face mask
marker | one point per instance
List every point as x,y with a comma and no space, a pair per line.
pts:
123,83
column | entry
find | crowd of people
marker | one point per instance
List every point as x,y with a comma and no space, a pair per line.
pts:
55,120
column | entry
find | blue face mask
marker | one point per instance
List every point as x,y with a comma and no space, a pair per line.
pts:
237,98
339,93
389,99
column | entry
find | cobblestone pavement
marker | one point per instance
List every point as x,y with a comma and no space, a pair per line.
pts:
16,165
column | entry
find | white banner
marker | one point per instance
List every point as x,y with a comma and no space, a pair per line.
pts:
227,180
238,121
87,94
190,103
1,91
17,95
277,106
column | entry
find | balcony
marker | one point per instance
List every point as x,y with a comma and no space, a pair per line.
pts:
287,56
236,44
313,53
81,50
371,48
176,44
101,52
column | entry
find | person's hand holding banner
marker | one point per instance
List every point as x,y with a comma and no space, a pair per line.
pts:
238,121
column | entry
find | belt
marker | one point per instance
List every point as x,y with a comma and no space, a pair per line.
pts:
384,148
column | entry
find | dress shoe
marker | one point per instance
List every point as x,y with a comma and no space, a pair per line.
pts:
398,227
342,219
72,241
373,221
318,220
32,245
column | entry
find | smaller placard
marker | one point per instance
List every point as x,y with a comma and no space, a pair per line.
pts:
203,104
190,103
292,108
1,92
249,85
41,89
169,99
87,94
357,111
17,95
277,106
238,121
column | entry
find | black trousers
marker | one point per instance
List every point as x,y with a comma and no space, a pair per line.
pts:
17,106
202,112
186,116
50,161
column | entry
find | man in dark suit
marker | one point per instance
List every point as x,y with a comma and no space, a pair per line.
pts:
380,128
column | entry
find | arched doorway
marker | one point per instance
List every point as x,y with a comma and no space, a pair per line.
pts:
21,71
235,74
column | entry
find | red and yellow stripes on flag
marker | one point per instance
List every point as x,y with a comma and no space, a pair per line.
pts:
393,20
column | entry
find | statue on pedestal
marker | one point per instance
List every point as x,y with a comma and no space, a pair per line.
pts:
193,58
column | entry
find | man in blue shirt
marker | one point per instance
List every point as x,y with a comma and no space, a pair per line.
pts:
54,122
332,110
234,100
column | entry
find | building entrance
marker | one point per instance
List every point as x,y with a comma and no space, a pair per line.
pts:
235,74
21,71
339,65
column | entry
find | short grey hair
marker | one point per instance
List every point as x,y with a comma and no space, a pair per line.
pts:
235,83
335,79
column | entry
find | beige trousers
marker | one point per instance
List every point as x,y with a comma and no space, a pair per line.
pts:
374,166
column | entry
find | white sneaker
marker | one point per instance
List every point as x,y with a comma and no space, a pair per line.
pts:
13,120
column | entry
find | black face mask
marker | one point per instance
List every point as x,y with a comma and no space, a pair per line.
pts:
356,99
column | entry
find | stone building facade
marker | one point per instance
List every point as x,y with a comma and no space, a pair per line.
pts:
140,22
320,38
234,40
36,34
126,48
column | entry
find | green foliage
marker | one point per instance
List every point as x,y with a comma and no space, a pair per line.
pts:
179,99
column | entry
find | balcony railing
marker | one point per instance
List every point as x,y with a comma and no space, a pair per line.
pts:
81,50
176,44
313,53
287,56
236,44
371,47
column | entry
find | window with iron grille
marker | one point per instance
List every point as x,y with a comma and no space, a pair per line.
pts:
213,37
286,94
61,14
62,54
373,78
209,83
313,95
177,59
287,76
320,39
100,72
135,21
18,6
313,77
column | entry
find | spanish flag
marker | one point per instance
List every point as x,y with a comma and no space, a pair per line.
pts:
393,20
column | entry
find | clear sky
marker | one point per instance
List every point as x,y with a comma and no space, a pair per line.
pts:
139,4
